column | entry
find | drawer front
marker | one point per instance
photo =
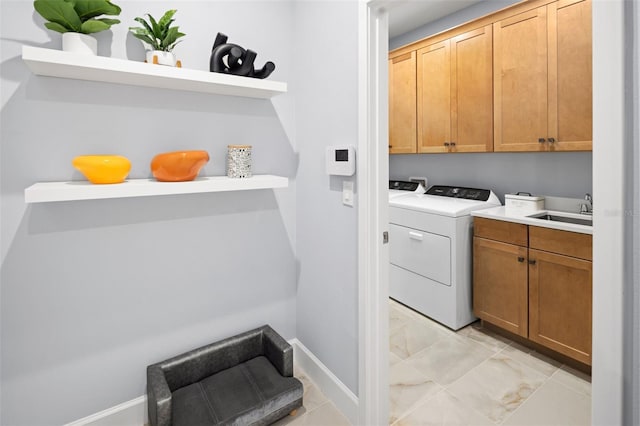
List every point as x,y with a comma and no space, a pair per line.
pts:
421,252
499,230
562,242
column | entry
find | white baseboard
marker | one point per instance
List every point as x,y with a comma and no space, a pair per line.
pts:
130,413
134,412
329,384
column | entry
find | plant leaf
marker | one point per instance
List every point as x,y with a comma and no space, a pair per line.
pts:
94,26
109,21
144,37
172,36
166,20
56,27
145,25
157,31
60,12
165,24
88,9
165,28
170,48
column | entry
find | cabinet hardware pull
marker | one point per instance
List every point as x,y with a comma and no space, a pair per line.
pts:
542,140
552,140
390,146
532,262
520,259
446,144
453,144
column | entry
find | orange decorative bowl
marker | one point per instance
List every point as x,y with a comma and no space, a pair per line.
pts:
103,168
178,166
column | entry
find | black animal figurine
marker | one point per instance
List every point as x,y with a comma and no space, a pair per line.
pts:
238,60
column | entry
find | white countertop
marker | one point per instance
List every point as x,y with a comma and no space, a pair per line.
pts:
501,213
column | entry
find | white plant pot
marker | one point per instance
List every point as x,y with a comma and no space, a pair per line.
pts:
79,43
163,58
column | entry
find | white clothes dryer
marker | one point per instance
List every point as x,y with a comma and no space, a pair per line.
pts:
430,241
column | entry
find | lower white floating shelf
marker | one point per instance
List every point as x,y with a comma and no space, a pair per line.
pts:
83,190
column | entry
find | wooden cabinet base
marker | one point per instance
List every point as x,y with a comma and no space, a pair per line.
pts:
535,282
538,348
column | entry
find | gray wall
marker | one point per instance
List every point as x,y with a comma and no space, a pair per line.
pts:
559,174
326,114
554,174
482,8
94,291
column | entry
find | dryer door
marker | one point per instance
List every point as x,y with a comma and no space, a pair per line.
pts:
421,252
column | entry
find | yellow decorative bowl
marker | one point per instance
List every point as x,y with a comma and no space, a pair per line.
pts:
103,168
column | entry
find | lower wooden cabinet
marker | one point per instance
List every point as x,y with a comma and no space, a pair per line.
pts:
500,289
560,303
535,282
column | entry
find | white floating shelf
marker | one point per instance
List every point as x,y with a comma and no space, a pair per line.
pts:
56,63
83,190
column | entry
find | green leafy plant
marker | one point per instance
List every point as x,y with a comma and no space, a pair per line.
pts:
79,16
160,35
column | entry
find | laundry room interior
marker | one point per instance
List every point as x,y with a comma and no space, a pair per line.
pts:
476,305
318,212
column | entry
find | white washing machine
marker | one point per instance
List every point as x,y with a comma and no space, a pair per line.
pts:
430,240
399,188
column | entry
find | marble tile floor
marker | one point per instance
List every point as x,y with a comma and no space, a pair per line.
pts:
475,377
316,409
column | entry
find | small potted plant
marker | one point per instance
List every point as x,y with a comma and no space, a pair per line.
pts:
76,19
161,37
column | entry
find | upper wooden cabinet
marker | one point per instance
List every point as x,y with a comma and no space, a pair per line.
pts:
570,89
455,94
543,79
517,80
402,104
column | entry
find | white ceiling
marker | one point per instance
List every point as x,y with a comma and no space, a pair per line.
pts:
407,15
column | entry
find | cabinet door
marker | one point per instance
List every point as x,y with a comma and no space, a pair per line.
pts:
560,303
500,284
472,91
434,93
402,104
520,81
570,75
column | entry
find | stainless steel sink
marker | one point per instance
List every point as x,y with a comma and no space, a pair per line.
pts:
562,218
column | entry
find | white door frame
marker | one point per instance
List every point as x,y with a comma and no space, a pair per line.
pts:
609,211
372,180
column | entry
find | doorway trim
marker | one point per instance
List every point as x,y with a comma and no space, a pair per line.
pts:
609,227
372,181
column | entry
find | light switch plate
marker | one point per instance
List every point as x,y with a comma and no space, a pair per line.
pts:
347,193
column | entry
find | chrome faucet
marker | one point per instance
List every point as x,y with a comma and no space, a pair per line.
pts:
587,208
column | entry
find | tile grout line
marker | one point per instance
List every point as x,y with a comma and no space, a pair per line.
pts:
495,351
569,387
525,400
419,403
446,387
546,378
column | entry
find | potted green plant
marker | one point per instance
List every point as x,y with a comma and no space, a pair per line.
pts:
76,19
161,38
